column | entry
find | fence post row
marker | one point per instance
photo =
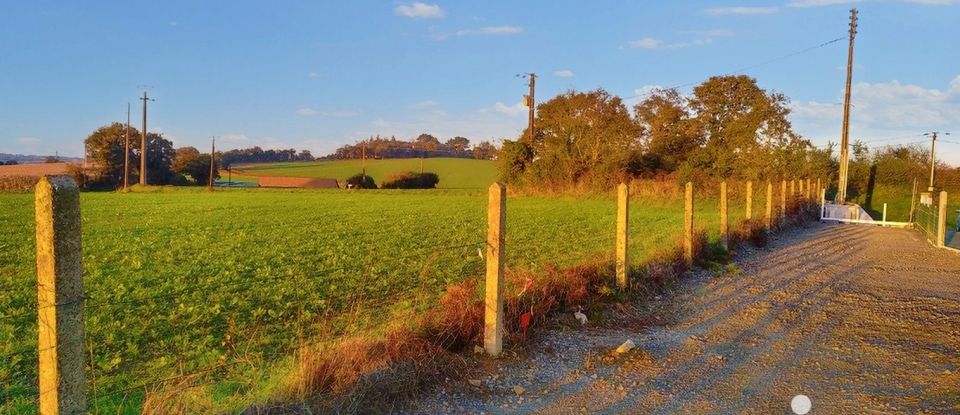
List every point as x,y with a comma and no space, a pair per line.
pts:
688,225
493,325
59,297
749,208
724,217
942,220
623,225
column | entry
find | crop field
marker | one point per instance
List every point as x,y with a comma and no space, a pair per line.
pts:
455,173
228,283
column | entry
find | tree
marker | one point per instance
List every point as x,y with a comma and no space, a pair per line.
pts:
189,161
485,151
12,163
51,159
105,152
741,125
459,144
427,142
581,136
669,132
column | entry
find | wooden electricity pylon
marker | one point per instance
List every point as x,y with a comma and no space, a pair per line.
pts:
845,135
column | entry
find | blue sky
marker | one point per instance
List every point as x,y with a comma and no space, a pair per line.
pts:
316,75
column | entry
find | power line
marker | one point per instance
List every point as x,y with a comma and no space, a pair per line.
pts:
754,66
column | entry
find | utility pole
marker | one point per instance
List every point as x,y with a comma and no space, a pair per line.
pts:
933,155
213,156
363,158
531,104
126,151
844,140
143,142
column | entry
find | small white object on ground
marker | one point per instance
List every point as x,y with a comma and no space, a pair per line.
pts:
800,404
582,318
626,347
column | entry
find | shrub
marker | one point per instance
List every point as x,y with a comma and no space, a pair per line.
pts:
17,183
411,180
361,181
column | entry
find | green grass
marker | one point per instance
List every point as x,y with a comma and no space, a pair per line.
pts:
897,199
455,173
180,278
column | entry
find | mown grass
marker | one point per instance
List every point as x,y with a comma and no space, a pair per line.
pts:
182,280
455,173
898,203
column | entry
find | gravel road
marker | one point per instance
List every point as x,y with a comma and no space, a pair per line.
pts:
862,320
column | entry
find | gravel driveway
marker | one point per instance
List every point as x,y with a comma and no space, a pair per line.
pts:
860,319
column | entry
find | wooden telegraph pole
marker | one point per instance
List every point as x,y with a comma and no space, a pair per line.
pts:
126,151
213,156
143,142
845,135
529,101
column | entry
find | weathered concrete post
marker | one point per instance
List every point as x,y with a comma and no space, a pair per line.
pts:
623,226
749,209
724,217
806,190
942,220
819,187
493,325
59,297
768,217
783,200
793,188
688,224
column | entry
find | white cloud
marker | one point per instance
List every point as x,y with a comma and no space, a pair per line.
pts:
314,75
563,73
419,10
510,110
818,3
645,43
29,141
307,112
882,110
491,30
426,104
172,23
651,43
740,10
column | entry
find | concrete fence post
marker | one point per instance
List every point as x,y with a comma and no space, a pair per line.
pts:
688,224
942,220
59,297
819,187
623,226
793,188
884,214
749,208
806,190
783,200
493,325
724,217
768,217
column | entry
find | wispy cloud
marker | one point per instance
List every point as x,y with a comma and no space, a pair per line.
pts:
310,112
314,75
491,30
426,104
28,140
651,43
419,10
819,3
510,110
741,10
563,73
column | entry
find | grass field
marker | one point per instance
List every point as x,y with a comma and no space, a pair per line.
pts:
455,173
181,280
897,199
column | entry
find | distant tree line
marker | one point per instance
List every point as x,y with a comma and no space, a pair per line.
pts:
259,155
424,145
727,128
894,166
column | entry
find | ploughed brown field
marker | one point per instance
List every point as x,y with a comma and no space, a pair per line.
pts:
34,169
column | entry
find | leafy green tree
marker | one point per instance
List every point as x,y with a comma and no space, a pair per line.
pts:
485,151
459,144
669,132
105,151
427,142
189,161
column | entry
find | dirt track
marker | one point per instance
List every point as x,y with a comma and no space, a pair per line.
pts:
860,319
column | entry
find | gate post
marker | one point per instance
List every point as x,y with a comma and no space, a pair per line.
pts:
59,297
724,217
942,220
493,326
623,226
749,212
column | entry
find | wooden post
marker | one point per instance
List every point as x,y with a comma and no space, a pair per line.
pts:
724,217
749,209
623,225
769,214
783,200
493,326
913,200
942,220
688,225
59,297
